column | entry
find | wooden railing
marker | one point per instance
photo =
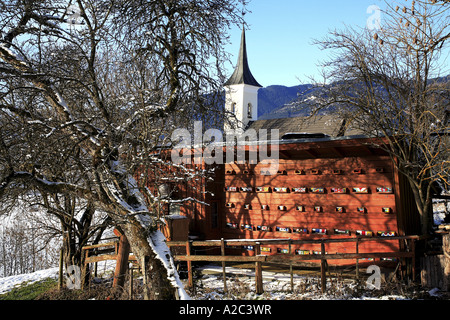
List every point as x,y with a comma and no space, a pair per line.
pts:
290,258
100,252
117,250
110,251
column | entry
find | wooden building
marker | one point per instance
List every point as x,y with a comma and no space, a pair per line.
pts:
330,183
324,188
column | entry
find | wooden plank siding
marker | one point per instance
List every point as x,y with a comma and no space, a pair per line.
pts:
328,163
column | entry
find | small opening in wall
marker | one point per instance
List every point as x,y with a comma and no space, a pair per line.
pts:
233,107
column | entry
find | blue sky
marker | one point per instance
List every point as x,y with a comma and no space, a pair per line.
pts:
280,35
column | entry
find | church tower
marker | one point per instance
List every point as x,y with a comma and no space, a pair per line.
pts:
241,93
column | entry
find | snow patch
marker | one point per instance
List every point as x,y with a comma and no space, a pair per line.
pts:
9,283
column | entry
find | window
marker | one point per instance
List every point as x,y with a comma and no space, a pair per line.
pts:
233,107
214,215
249,111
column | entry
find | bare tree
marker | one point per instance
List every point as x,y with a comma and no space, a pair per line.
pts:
24,247
89,90
392,82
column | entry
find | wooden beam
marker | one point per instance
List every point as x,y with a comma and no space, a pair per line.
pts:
249,242
258,271
323,265
441,196
285,154
338,152
284,258
222,252
100,245
222,258
103,257
61,264
368,150
189,264
280,258
311,153
121,262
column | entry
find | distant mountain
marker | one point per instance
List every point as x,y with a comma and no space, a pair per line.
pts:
273,101
277,101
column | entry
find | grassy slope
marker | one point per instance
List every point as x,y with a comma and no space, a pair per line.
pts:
30,291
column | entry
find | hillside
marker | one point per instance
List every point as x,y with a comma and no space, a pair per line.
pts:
274,97
276,101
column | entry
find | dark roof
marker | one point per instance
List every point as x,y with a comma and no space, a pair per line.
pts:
302,127
242,74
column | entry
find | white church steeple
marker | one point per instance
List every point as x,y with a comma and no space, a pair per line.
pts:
241,93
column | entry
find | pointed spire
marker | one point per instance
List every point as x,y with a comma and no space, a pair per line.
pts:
242,74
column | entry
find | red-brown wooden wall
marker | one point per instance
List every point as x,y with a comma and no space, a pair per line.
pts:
339,163
373,218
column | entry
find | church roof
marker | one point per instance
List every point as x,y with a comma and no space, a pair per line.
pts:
302,127
242,74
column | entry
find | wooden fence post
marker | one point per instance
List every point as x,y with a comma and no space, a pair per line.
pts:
222,250
258,271
85,271
357,260
446,250
130,288
258,259
61,263
413,262
323,264
290,266
189,265
144,277
121,262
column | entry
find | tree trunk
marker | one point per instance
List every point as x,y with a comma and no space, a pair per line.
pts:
422,205
122,197
159,286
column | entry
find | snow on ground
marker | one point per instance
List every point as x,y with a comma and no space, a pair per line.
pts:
241,282
241,285
9,283
277,286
